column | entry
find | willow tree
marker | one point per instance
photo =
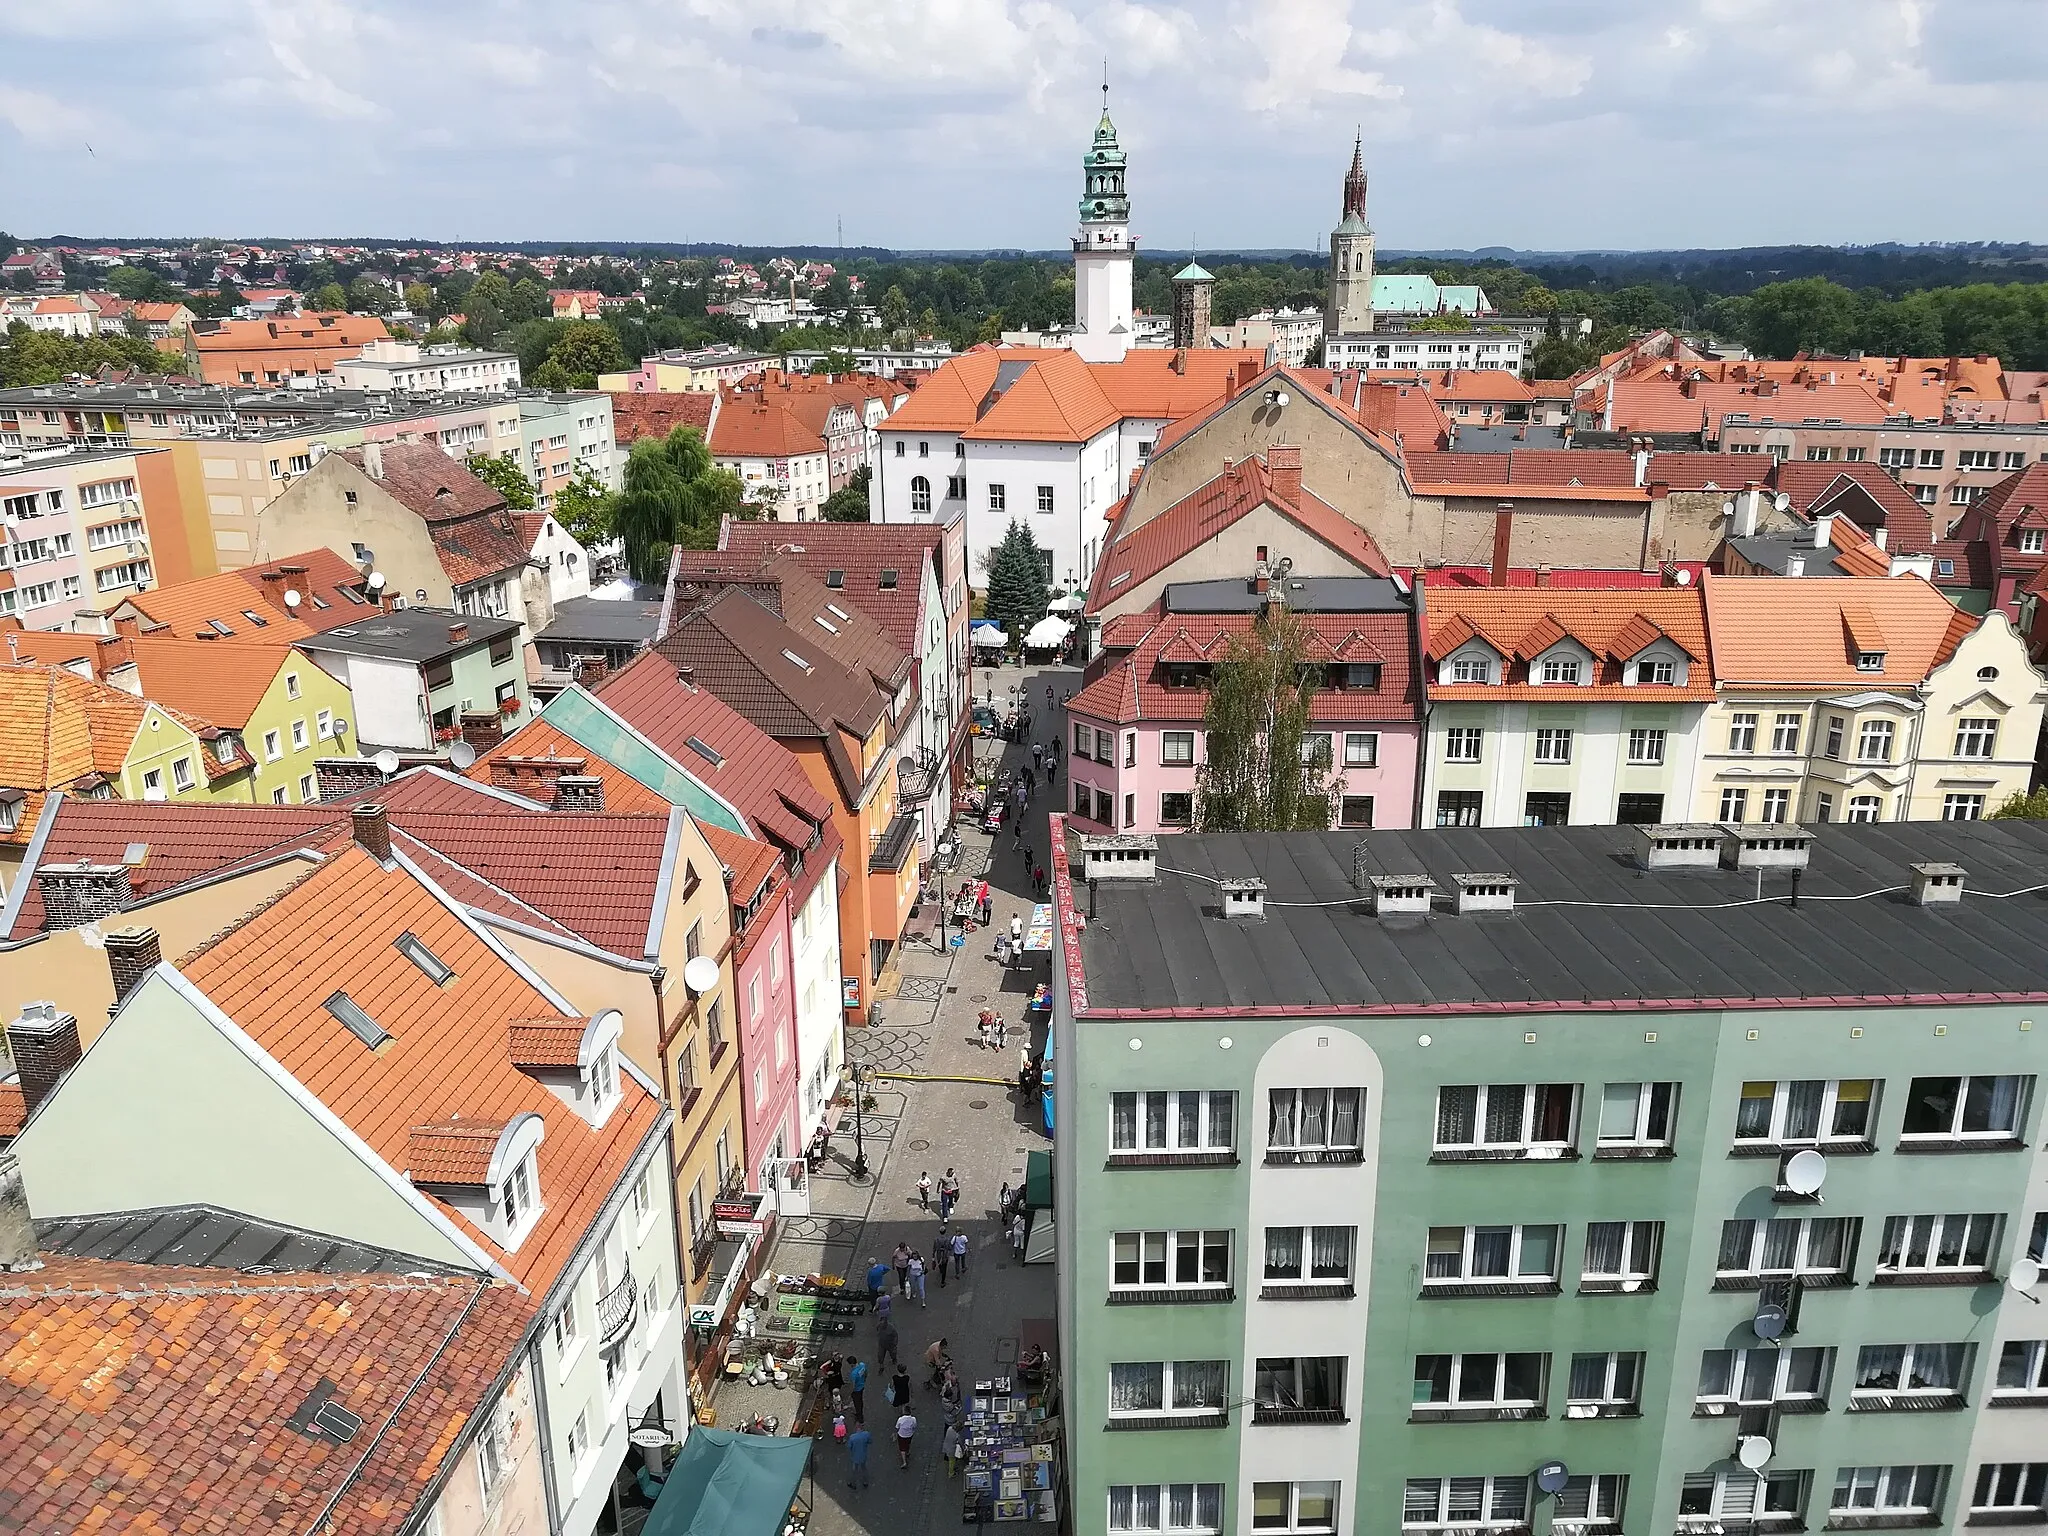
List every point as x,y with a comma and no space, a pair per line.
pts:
1254,777
673,495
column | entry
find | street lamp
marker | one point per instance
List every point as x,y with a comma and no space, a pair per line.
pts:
859,1172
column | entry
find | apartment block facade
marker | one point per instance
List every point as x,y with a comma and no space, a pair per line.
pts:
1376,1215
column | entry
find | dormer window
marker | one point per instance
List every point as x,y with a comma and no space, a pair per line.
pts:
1560,669
515,1201
1471,669
1656,671
604,1080
1870,661
2033,541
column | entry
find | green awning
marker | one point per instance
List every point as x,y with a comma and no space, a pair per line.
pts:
1038,1180
727,1484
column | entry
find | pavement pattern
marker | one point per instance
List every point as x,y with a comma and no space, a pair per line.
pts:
941,1101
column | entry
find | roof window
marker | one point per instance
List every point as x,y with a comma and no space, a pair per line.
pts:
1870,661
838,612
796,660
218,628
705,750
255,618
835,579
414,949
357,1022
887,580
825,624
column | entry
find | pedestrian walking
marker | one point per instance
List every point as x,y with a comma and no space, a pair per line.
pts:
1018,842
950,1449
1003,1200
924,1191
985,900
1037,754
857,1445
857,1387
878,1277
832,1377
1002,1033
1003,950
1017,1231
906,1427
960,1252
898,1391
1016,930
1038,880
942,1256
903,1258
884,1302
886,1346
1048,695
946,1199
917,1277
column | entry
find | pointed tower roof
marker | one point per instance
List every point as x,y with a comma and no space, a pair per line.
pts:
1193,273
1354,188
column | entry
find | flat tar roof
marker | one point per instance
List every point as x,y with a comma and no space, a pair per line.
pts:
1589,925
411,634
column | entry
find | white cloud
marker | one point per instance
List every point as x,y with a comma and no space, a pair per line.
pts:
43,119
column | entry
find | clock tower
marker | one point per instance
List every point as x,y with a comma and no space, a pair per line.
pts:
1103,250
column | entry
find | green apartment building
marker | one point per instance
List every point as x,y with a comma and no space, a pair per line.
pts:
1674,1181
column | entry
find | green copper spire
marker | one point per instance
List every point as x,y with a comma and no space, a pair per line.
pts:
1102,172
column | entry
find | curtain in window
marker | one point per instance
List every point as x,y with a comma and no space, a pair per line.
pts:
1879,1366
1135,1389
1992,1104
1618,1108
1456,1109
1155,1122
1504,1117
1554,1111
1145,1517
1588,1380
1467,1500
1419,1498
1490,1250
1603,1247
1283,1253
1123,1122
1539,1254
1344,1117
1736,1240
1330,1253
1222,1133
1208,1506
1937,1367
1827,1243
1281,1132
1180,1506
1273,1386
1802,1110
1198,1384
1315,1117
1781,1247
1190,1118
1510,1498
1120,1506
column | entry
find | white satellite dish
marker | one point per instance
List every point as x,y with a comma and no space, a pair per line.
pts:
386,761
462,754
375,581
1727,509
1753,1451
2024,1275
1781,501
1682,577
292,601
1552,1476
700,975
1804,1172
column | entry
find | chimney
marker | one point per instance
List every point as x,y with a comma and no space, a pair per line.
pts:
1690,389
1243,897
1795,565
591,670
1246,372
1542,575
340,777
1937,884
483,729
1395,894
1879,535
1485,893
1766,388
132,953
17,1224
1262,578
458,632
534,777
373,831
45,1047
579,792
1283,465
128,628
1503,541
81,893
1748,508
373,460
1642,465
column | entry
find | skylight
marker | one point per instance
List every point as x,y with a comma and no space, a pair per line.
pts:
705,750
218,628
835,578
358,1023
414,949
838,612
826,625
255,618
887,580
134,854
792,657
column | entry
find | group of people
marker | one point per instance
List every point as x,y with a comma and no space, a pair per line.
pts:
948,1191
995,1031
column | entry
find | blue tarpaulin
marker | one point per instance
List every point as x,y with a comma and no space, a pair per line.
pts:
727,1484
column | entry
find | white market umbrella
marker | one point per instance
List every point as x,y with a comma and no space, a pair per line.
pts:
1047,633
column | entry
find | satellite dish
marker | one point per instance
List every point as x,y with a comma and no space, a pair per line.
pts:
292,601
462,754
1683,577
340,726
1281,398
1803,1172
1781,501
1727,509
386,761
700,975
1753,1451
2024,1275
1552,1476
1769,1322
375,582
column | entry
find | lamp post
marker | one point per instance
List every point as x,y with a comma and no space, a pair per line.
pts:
859,1172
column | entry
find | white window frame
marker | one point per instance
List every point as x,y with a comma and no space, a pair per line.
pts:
1175,1246
2031,1358
1893,1490
1295,1119
1566,670
1739,1494
1929,1233
1612,1395
1632,1120
1435,1249
1831,1101
1642,1246
1470,669
1646,745
1882,734
1162,1498
1778,1363
1167,1408
1490,1490
1962,807
1597,1499
1977,737
1661,672
1529,1146
1734,805
2024,1490
1785,733
2033,541
1803,1245
1742,731
1172,1107
1464,743
1910,1356
181,773
1294,1501
1306,1243
1959,1109
1553,744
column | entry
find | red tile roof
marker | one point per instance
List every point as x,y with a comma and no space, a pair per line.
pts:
546,1042
474,535
861,553
139,1400
453,1150
656,413
1806,633
1613,625
747,428
822,617
1817,488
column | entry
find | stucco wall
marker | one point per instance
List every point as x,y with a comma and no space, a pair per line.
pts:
314,514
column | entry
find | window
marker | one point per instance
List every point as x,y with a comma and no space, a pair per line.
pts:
1621,1255
1604,1386
1518,1257
1823,808
1591,1501
2033,541
1646,746
1738,1376
2023,1369
1309,1255
1930,458
1806,1112
1835,728
1895,458
1738,1494
1865,807
1976,738
899,448
1937,1246
1314,1125
1045,499
273,746
1186,1121
1176,809
1777,806
1167,1509
1553,745
1170,1388
516,1197
1655,672
1560,669
1177,748
579,1439
1874,742
1785,733
920,494
1361,749
323,725
2010,1487
1926,1370
1471,669
1634,1115
997,498
1289,1387
1965,1108
1886,1490
1433,1501
714,1028
181,773
1506,1119
1461,744
1294,1506
1742,733
1459,807
280,796
1316,748
1639,810
1156,1261
1963,807
298,735
1355,811
1734,805
1812,1247
565,1329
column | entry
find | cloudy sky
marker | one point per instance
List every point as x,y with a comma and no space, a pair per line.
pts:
1541,124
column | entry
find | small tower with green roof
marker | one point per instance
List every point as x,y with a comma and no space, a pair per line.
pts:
1103,250
1192,289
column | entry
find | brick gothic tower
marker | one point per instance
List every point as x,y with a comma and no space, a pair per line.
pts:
1348,310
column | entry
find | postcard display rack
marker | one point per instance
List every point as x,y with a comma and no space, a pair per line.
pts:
1012,1471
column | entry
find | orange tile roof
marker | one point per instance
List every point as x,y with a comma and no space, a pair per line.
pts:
1056,397
546,1042
228,681
56,727
1613,624
319,331
1772,630
540,738
454,1150
186,608
448,1053
747,428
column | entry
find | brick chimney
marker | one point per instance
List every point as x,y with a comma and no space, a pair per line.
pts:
373,460
534,777
458,632
132,953
45,1046
591,670
1246,372
373,831
340,777
483,729
1283,466
81,893
579,792
1503,542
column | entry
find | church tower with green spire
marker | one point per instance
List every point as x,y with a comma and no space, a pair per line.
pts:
1103,250
1348,310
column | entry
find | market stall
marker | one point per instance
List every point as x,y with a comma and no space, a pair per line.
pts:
1048,634
1011,1438
728,1484
1038,1236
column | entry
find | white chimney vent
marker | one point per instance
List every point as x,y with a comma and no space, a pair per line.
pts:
1133,856
1243,897
1393,894
1679,845
1795,565
1764,845
1937,884
1485,893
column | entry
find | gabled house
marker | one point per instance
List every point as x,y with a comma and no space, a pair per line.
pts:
2009,523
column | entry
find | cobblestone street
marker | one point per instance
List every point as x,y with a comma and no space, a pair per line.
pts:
941,1101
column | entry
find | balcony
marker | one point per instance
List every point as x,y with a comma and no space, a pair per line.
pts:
889,851
917,775
616,1310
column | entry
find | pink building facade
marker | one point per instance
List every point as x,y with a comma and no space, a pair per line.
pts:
768,1048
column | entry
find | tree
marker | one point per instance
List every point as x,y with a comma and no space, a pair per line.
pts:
2028,807
481,324
328,296
140,284
584,508
835,362
528,300
44,357
849,504
504,477
1017,591
1253,777
367,296
585,349
673,495
419,298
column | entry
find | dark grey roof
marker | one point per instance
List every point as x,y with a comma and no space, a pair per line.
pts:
1772,552
1507,437
619,620
206,1237
1588,923
418,635
1310,594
